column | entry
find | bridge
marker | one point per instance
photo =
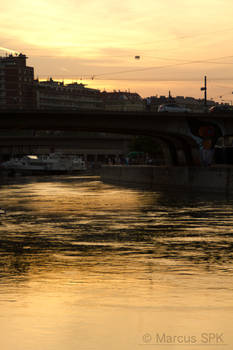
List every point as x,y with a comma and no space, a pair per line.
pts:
179,133
99,144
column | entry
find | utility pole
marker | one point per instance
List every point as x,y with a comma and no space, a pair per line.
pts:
205,91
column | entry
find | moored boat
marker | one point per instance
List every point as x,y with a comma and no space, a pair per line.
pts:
53,163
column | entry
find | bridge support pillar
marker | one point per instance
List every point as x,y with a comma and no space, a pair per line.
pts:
179,152
168,159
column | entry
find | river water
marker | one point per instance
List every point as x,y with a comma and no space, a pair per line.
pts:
87,265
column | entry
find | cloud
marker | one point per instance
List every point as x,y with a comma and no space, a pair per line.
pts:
4,49
94,37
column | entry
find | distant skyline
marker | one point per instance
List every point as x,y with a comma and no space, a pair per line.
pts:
178,41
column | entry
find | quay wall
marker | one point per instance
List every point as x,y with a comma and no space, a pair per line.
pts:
208,179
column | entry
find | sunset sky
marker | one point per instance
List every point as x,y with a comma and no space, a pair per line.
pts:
178,41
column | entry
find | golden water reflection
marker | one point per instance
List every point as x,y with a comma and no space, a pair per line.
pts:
86,265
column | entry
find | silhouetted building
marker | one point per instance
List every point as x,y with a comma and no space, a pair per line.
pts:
16,83
195,105
122,101
57,95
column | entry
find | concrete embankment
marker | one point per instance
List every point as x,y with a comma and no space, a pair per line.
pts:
208,179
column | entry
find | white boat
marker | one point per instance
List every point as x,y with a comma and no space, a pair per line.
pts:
53,163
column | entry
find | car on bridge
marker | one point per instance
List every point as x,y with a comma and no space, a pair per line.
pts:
220,108
173,107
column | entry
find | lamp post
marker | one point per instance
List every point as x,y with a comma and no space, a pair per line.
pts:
205,91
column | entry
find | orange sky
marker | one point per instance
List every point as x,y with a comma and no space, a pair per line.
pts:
178,42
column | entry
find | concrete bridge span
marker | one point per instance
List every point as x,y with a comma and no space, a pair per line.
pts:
179,133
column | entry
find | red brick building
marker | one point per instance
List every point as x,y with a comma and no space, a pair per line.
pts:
16,83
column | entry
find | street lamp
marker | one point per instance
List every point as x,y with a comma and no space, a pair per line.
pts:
205,91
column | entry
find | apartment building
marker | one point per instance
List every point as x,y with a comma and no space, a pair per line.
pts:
16,83
52,94
195,105
122,101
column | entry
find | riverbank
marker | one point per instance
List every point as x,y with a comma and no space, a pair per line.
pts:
218,178
4,173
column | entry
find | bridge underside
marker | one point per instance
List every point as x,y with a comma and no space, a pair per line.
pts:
178,133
